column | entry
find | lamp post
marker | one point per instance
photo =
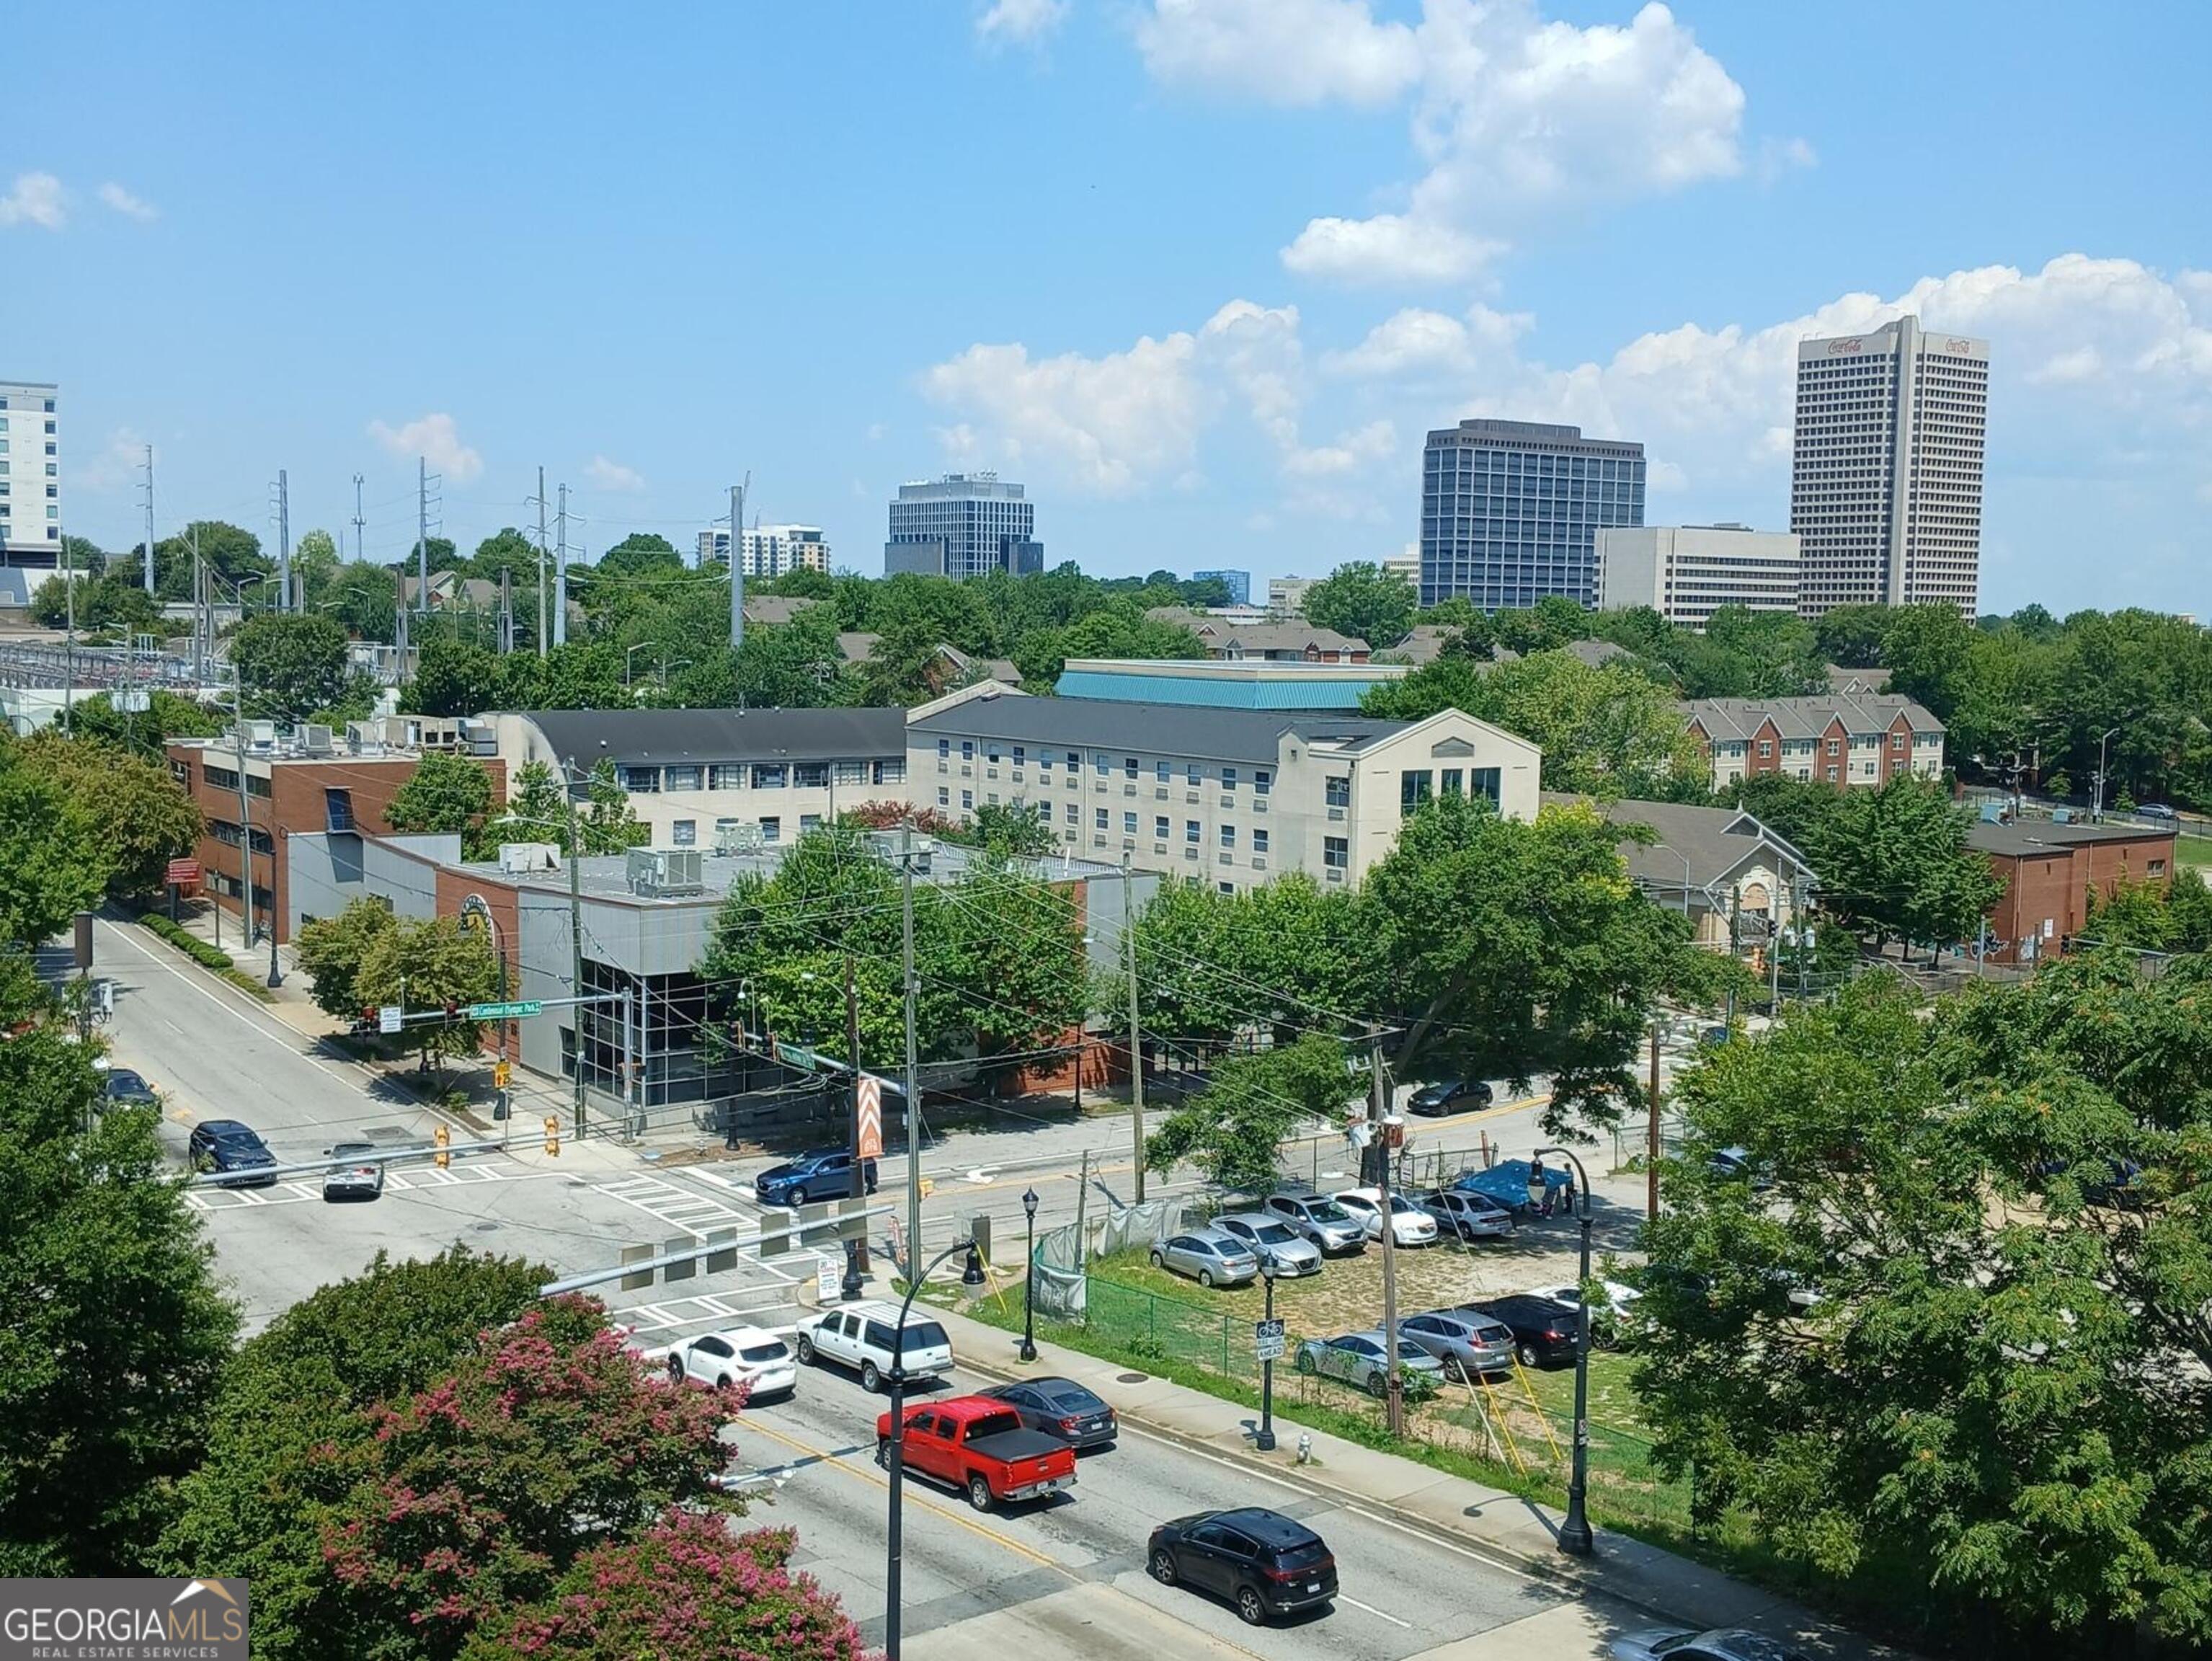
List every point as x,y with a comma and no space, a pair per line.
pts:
894,1447
1575,1538
1684,858
1264,1438
1027,1351
2097,803
629,652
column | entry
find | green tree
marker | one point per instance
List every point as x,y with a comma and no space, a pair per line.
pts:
1009,946
1552,622
291,666
314,561
113,1333
1020,829
1232,1129
424,964
147,732
445,795
331,950
1851,635
536,810
1895,861
1995,1414
364,600
1364,600
454,677
54,854
231,553
608,824
145,819
2174,916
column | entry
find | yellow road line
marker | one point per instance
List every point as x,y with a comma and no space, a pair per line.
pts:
868,1475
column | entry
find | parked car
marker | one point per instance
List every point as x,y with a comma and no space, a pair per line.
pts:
355,1172
824,1174
123,1087
1737,1165
1410,1226
859,1336
1271,1241
1723,1644
1260,1560
1362,1361
1209,1256
737,1355
1465,1215
1543,1330
1470,1346
1449,1095
1060,1408
228,1147
1506,1183
977,1444
2156,810
1320,1219
2116,1186
1614,1311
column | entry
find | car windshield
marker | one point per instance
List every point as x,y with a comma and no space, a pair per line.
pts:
922,1334
121,1078
352,1150
1272,1234
1328,1211
768,1352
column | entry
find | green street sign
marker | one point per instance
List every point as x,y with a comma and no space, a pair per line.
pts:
795,1054
505,1011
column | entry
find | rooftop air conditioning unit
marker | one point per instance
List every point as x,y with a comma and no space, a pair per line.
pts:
315,739
261,734
520,858
737,839
666,873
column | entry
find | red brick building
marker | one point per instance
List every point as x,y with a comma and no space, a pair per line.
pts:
2050,871
1847,739
253,797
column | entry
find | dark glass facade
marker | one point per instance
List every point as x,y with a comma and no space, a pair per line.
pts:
1511,511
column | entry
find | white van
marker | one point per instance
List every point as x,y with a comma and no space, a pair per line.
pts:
858,1335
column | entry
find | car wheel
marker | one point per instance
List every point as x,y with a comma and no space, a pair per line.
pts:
883,1453
797,1197
979,1492
1206,1278
871,1380
805,1349
1159,1261
1163,1568
1455,1370
1377,1385
1249,1609
722,1383
675,1369
1529,1356
1305,1363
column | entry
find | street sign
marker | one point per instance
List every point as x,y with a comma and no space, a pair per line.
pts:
1268,1340
391,1018
872,1118
795,1054
829,1278
505,1011
184,874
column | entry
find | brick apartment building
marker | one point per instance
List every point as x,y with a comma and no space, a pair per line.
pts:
1841,738
2050,871
303,779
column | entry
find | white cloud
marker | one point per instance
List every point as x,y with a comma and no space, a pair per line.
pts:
116,465
1375,443
36,198
1388,248
1414,342
611,474
1019,22
131,206
1280,51
435,438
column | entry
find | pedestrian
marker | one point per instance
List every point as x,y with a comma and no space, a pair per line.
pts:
1567,1194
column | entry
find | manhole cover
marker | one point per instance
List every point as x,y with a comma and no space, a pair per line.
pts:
1127,1377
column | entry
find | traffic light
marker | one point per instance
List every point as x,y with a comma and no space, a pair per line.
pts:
553,1135
736,1035
452,1010
444,1138
502,1071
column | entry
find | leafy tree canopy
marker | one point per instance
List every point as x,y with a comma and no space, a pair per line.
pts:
293,667
1364,600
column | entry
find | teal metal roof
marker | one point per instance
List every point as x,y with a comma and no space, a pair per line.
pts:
1340,688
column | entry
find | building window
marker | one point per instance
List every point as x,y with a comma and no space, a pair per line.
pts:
771,829
891,772
1226,888
1074,762
967,749
991,752
1162,771
943,797
1415,786
810,775
337,809
1485,781
809,822
1262,781
1259,841
1896,740
682,778
1228,778
1129,767
219,778
852,772
1160,827
1104,763
1021,753
1338,791
944,749
769,775
1833,743
1074,814
1129,824
1336,852
1098,819
1228,835
1766,748
1190,830
684,833
1453,783
967,801
726,775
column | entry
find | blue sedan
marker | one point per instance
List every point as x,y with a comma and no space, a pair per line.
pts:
824,1174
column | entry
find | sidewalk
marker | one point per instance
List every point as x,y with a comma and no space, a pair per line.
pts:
1670,1587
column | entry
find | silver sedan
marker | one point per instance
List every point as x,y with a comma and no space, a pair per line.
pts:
1270,1240
1208,1256
1362,1361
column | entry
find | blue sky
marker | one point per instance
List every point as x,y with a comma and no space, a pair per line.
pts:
1199,272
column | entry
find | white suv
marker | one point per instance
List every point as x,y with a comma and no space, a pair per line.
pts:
859,1337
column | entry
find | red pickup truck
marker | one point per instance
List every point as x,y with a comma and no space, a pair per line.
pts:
977,1443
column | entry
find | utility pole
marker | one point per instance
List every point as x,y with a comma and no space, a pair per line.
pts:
1136,1042
283,542
912,1072
576,937
400,622
149,519
560,578
68,616
737,564
422,534
506,612
858,1261
540,500
1736,951
359,524
1651,1141
246,819
1378,1112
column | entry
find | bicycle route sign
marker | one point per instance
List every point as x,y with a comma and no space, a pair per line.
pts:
1267,1340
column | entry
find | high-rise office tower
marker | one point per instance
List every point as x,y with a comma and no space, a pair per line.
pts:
1510,510
770,550
30,475
1238,583
963,526
1886,475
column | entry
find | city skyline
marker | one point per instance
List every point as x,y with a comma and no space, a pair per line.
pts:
1231,295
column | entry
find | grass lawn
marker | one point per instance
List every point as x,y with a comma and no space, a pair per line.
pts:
2195,851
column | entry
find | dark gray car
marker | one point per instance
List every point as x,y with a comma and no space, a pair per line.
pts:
1061,1408
1273,1242
1470,1346
1320,1220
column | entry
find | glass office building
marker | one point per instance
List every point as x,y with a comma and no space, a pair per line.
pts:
1510,510
963,526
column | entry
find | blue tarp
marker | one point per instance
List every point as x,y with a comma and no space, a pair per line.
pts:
1507,1183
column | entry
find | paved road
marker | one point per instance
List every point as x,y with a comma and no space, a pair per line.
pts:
1067,1578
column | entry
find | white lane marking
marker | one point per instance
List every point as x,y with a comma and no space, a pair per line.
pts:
1372,1610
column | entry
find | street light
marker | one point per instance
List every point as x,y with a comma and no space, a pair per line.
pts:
1264,1438
1684,858
1027,1351
894,1448
2097,804
629,652
1575,1538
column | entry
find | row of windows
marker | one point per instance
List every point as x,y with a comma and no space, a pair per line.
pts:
48,402
1104,763
1418,785
760,775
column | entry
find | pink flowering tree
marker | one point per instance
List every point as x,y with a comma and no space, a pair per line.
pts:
478,1494
687,1590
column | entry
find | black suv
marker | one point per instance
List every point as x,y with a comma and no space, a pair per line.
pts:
1260,1560
227,1147
1543,1331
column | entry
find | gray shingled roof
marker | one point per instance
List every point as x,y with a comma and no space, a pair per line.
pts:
1714,841
1174,730
1807,717
2025,838
1220,634
586,737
